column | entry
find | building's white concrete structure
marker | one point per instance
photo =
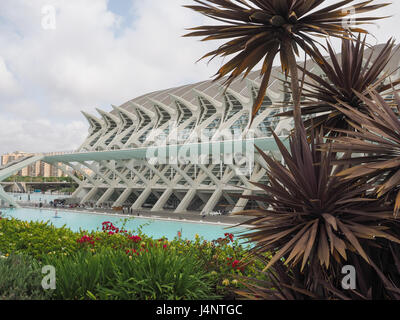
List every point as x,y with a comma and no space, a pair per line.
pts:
190,115
201,113
118,157
123,144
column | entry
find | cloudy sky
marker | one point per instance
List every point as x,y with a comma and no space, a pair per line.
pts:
101,52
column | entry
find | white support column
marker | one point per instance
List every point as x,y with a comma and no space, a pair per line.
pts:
123,197
202,197
159,174
191,193
229,198
105,196
163,200
241,204
149,187
77,192
142,199
212,202
208,172
186,201
97,171
117,173
184,175
90,178
256,176
168,191
6,198
64,169
89,195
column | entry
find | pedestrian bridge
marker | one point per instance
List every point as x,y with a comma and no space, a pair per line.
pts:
12,168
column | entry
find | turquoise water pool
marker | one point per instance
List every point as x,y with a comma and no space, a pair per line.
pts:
92,222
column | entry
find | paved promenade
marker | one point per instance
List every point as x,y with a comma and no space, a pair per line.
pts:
161,215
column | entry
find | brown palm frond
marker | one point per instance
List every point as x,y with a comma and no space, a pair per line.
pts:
343,75
377,133
315,217
316,223
259,30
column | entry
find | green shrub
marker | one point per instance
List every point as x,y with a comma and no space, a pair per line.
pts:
79,273
159,274
156,274
38,239
220,259
20,279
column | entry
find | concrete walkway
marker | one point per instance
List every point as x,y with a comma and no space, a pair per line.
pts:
158,215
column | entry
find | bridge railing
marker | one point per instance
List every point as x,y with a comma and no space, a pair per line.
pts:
143,147
61,153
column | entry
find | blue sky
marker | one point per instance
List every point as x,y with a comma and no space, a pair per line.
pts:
120,7
125,9
101,52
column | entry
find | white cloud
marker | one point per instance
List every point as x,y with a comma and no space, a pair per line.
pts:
27,134
84,64
48,76
8,84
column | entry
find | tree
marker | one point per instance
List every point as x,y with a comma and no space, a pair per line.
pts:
260,29
342,77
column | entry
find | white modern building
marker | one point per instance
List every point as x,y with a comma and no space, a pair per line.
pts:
189,148
184,149
163,126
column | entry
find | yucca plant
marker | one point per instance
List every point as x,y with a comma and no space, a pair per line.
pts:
373,144
262,29
316,221
374,281
343,75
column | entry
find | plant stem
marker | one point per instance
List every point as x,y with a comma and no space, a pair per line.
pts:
294,76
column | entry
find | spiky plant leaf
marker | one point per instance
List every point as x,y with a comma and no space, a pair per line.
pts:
314,216
376,136
343,75
259,30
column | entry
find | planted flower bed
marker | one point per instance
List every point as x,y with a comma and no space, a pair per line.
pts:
115,263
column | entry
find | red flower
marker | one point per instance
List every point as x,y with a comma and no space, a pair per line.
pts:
135,239
86,239
229,236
